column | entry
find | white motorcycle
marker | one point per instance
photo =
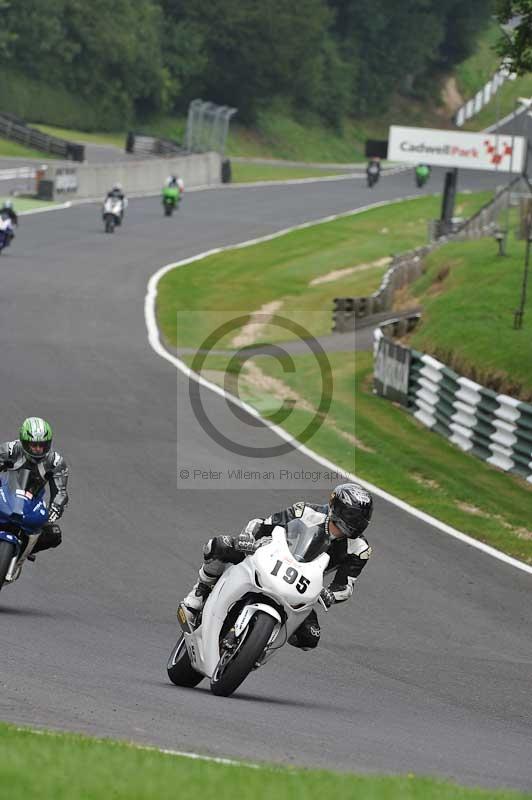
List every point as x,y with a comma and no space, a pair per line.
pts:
113,211
252,611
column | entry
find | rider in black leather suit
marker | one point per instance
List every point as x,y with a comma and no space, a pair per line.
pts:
344,519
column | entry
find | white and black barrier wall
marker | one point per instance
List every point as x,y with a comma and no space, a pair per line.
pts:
494,427
483,96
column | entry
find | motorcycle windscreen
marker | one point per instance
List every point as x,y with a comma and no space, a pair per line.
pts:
306,542
21,493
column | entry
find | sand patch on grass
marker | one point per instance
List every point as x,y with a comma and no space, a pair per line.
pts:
251,332
342,273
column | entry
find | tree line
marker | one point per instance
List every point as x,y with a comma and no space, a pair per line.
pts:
139,58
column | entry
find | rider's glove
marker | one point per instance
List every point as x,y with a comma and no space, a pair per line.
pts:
245,542
54,513
5,465
328,597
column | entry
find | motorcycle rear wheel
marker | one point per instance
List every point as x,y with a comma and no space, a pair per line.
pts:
7,551
238,668
180,670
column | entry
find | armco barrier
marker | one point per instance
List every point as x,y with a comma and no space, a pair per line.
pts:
404,269
16,130
494,427
136,177
408,266
152,145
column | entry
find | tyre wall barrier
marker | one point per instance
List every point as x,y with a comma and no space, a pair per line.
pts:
136,177
494,427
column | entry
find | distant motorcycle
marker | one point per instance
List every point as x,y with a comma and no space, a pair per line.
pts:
171,200
252,611
7,233
113,210
422,175
23,512
373,172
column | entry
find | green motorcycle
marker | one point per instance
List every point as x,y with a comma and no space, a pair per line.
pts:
171,199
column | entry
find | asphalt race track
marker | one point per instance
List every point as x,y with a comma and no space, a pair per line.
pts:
429,667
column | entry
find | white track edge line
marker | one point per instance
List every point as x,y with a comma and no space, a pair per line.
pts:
158,347
228,762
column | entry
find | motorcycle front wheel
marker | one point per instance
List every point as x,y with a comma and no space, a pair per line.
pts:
7,551
180,670
233,669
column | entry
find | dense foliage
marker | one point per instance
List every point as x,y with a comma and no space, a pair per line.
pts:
331,57
516,45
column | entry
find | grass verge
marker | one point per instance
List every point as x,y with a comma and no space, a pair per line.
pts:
13,150
475,71
114,139
27,204
70,767
282,270
362,433
502,104
384,444
469,295
247,173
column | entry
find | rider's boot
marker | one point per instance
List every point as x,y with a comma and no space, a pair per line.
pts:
196,598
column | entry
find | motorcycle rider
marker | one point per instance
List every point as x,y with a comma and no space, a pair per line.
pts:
33,451
117,193
174,182
373,170
344,520
8,212
422,174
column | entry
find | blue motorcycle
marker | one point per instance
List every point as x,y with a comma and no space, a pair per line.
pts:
23,512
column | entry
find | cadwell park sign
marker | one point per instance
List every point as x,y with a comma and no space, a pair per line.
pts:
488,151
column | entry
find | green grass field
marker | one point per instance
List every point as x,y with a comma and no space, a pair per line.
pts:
469,295
282,269
53,766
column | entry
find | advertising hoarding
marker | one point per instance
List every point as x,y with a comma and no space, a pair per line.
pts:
66,180
487,151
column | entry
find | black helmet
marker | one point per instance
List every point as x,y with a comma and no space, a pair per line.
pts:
350,508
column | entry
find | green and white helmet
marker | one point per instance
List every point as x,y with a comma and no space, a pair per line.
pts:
36,438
